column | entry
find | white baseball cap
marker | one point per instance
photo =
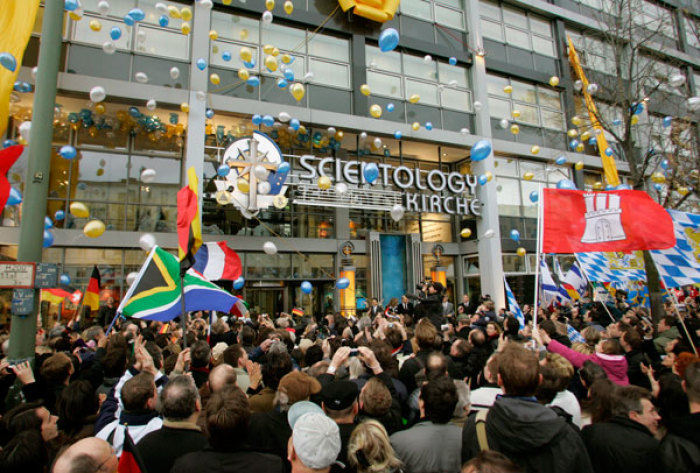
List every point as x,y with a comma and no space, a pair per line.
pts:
316,440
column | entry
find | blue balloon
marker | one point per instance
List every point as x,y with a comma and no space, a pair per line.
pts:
658,187
281,83
623,187
137,14
664,164
593,141
129,20
134,112
289,75
64,279
609,187
481,150
566,184
22,87
249,64
342,283
306,287
239,283
257,119
201,63
48,238
398,134
453,61
390,107
388,40
294,123
268,120
428,126
371,172
48,223
667,121
609,151
82,186
638,108
70,5
617,122
254,81
59,215
8,143
561,160
8,61
164,21
209,113
291,60
534,196
573,144
15,196
515,235
67,152
483,180
115,33
226,56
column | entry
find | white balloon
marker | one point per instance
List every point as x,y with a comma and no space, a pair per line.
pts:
676,80
201,95
260,172
578,85
109,47
341,188
427,58
103,7
264,188
131,277
25,129
464,131
174,72
308,76
147,241
148,175
452,83
269,248
267,17
141,36
397,212
489,233
377,142
151,104
504,123
693,103
363,135
331,131
97,94
141,77
592,88
284,117
35,69
477,105
162,8
206,3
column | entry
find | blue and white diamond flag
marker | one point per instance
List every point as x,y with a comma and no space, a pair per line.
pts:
680,265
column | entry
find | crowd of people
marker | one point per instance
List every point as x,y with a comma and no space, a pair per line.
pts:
420,386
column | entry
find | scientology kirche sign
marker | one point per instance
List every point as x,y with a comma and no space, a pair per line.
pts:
447,194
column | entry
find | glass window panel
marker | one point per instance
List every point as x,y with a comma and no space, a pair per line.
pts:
506,167
513,264
427,92
432,230
414,66
389,61
238,28
459,4
83,33
549,98
538,169
277,35
456,99
419,8
152,15
329,47
496,85
336,75
384,84
491,29
541,26
317,266
118,9
528,113
499,108
490,10
692,33
552,119
449,73
524,92
449,17
235,49
262,266
106,186
517,38
164,43
515,17
529,207
508,193
297,67
543,46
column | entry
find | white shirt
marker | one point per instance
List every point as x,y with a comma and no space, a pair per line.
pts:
483,398
569,404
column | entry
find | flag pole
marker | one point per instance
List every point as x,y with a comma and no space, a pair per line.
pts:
678,314
183,317
538,251
594,291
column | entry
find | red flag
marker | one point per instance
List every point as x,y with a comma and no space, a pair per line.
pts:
130,461
625,220
92,293
8,156
189,227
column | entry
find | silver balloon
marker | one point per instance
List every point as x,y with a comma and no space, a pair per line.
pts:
174,72
269,248
148,175
489,233
109,47
264,188
151,104
141,77
103,7
147,241
503,123
131,277
341,188
397,212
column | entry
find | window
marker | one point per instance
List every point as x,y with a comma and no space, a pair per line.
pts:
654,18
538,105
517,27
326,56
692,31
448,13
400,75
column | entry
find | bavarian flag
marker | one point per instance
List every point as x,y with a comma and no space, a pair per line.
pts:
189,226
92,293
155,293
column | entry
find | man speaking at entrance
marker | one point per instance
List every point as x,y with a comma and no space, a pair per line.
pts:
430,303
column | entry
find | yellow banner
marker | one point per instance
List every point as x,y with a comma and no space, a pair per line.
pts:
609,167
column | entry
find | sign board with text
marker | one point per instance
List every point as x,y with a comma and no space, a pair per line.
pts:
46,275
22,301
15,274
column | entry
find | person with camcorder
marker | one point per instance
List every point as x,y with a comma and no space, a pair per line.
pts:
429,305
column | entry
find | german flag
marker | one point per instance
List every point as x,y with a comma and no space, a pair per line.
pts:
92,293
189,226
296,312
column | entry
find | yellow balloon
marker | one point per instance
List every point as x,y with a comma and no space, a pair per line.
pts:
243,185
99,109
280,201
324,183
298,91
275,52
243,34
528,176
174,12
415,126
286,58
288,7
586,135
100,171
186,13
243,73
576,120
535,149
580,147
246,54
339,135
215,79
302,130
94,228
213,35
375,110
683,190
634,120
554,81
658,177
465,233
414,98
515,113
215,49
598,186
572,133
267,49
489,176
226,2
515,129
185,28
79,210
578,166
95,25
364,89
521,251
75,16
269,4
271,63
185,107
508,89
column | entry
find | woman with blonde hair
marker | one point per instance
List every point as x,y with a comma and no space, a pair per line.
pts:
370,450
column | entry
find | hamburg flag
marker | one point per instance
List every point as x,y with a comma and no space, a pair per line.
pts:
580,221
217,261
92,293
130,461
155,294
189,227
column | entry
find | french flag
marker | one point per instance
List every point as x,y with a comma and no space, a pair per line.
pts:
217,261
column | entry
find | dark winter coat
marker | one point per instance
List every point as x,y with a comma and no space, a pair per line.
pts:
621,446
680,449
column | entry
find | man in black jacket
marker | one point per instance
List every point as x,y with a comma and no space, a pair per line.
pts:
680,449
528,433
180,406
626,442
430,305
631,343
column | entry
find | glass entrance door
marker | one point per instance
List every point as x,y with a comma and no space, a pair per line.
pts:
265,300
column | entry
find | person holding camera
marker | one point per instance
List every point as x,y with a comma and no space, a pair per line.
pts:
430,303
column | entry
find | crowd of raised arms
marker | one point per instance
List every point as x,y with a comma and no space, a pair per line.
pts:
420,385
